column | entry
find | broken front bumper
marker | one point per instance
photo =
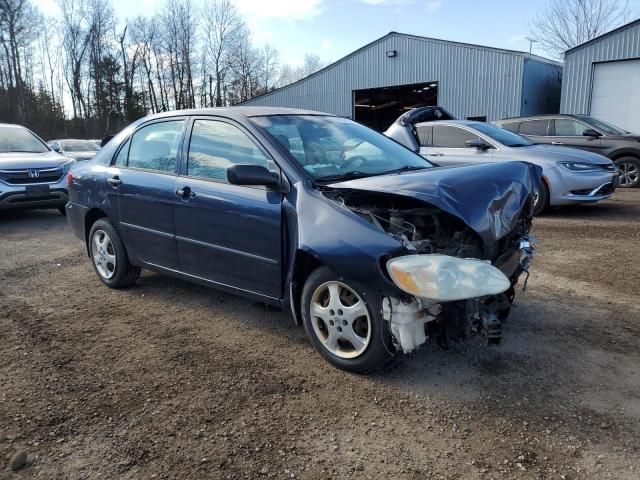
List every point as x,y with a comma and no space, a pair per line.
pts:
410,321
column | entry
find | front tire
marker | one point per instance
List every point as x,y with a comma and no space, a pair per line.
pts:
344,323
541,201
628,172
109,257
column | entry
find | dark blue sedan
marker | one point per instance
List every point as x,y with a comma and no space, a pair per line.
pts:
373,248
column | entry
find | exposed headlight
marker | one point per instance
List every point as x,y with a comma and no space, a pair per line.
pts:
445,278
67,166
579,166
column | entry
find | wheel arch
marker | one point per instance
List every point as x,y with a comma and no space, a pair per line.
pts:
304,263
618,154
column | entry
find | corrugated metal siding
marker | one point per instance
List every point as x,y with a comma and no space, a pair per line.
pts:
472,80
541,88
578,65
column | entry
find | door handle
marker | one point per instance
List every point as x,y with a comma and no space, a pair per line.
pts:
557,143
436,154
114,181
185,192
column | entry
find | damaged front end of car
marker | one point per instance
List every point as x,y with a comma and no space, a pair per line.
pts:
463,251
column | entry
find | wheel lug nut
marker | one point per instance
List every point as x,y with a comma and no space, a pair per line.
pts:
339,312
344,322
332,313
331,322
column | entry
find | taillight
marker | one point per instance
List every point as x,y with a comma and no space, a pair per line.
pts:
69,179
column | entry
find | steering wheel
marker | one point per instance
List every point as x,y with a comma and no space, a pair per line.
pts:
353,162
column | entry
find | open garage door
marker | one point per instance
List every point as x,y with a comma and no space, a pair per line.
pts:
378,108
615,95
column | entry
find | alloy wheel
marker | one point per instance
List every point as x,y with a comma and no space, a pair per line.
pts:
628,174
340,320
104,255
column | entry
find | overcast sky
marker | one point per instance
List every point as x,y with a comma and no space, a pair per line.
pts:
334,28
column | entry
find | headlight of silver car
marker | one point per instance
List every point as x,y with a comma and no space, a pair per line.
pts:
67,166
445,278
579,166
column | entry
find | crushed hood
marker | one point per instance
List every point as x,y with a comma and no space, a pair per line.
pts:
489,198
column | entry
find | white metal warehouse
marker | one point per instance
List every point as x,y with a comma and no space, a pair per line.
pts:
380,81
602,78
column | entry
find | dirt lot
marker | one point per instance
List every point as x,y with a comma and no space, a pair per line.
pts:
170,380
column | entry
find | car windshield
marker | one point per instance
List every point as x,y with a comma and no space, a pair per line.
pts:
334,148
500,135
79,146
19,139
604,127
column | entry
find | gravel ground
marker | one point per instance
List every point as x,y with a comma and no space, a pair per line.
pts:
171,380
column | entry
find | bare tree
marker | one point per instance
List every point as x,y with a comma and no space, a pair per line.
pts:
224,32
563,24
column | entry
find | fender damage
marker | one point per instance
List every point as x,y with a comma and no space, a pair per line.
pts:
478,212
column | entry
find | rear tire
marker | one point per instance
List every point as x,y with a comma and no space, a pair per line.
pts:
109,257
628,172
542,199
344,323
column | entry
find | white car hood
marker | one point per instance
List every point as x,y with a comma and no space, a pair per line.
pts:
17,160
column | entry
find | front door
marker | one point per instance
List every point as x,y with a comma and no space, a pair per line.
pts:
569,133
448,147
227,234
144,175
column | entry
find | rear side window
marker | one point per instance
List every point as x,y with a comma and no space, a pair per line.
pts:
424,136
451,137
215,146
535,127
511,126
121,157
569,128
155,147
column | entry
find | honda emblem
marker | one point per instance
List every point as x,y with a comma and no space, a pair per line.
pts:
33,173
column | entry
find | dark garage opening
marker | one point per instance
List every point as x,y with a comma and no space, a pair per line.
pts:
379,107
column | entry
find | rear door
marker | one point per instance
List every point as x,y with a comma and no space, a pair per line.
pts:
536,130
569,132
143,177
228,234
448,146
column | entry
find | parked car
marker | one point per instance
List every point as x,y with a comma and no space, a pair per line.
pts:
585,133
76,149
570,176
31,174
371,247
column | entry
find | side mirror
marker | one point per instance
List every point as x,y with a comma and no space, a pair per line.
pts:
55,147
479,144
590,132
252,175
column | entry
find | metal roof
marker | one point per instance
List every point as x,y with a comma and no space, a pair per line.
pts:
604,35
414,37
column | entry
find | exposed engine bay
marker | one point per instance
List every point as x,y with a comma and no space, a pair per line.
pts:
426,230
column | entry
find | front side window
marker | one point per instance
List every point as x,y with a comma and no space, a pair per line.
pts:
334,148
445,136
215,146
535,127
566,127
605,127
155,147
20,140
500,135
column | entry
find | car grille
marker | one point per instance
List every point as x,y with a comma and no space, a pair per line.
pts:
22,177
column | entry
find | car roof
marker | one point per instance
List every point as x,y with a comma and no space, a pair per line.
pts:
542,117
15,125
70,140
239,111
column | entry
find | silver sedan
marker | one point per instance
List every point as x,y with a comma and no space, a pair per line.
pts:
570,176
